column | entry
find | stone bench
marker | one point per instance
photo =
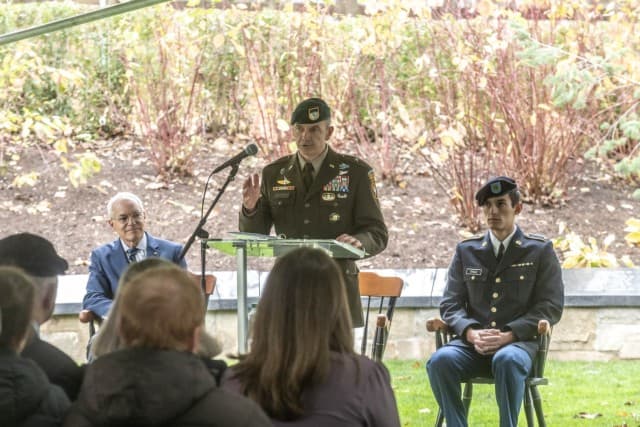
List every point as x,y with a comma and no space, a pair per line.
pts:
602,311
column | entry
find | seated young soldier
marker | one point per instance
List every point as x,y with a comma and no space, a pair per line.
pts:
499,286
157,379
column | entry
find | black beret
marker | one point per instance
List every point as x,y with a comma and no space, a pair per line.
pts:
33,254
309,111
495,187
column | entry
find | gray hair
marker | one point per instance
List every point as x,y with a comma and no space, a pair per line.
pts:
124,196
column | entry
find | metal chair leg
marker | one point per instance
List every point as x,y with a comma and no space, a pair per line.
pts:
528,402
466,397
537,404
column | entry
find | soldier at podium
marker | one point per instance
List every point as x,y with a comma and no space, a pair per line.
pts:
317,193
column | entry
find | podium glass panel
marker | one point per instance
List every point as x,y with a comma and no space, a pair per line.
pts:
258,245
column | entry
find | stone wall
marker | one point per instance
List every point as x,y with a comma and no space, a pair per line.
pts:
584,333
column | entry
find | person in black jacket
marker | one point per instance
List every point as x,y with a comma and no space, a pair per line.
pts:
27,398
37,257
157,379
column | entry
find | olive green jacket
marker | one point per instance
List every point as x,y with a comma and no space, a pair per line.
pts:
342,199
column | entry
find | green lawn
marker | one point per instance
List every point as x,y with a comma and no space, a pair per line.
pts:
611,389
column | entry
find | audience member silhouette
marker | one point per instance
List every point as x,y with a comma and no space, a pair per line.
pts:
301,368
156,379
37,257
27,398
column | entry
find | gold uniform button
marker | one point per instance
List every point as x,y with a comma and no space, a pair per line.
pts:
521,277
498,280
493,309
306,221
495,295
493,324
307,205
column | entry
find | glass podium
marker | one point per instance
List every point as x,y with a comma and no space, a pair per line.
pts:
244,245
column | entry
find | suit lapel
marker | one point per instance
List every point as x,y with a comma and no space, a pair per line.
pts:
153,248
118,257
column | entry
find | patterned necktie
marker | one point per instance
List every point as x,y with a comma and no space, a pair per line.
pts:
307,175
132,254
500,252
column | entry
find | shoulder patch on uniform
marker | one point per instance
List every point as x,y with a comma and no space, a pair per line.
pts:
536,237
477,237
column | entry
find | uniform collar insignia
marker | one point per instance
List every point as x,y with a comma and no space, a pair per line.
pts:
484,244
518,243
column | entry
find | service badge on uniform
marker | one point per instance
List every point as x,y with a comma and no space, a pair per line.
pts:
334,217
328,197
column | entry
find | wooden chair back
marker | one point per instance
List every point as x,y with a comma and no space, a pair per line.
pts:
381,294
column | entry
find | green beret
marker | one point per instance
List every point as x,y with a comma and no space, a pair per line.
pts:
309,111
495,187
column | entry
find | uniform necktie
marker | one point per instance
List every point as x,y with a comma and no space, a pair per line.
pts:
132,254
307,175
500,252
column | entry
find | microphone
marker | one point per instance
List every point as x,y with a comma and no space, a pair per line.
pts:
249,150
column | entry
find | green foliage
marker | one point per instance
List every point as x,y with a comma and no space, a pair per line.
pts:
464,98
577,254
574,388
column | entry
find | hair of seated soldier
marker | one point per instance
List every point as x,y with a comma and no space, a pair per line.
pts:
303,313
17,293
161,309
107,339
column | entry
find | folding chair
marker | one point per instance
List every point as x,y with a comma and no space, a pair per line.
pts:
378,290
532,398
88,316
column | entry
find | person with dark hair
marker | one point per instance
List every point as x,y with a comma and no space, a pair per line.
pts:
27,398
127,218
301,368
499,286
318,193
156,378
37,257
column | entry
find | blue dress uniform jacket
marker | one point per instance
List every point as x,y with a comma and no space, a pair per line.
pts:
524,287
109,261
342,199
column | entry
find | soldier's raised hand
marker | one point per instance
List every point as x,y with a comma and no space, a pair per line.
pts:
251,192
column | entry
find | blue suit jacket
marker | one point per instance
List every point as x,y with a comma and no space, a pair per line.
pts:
107,264
513,294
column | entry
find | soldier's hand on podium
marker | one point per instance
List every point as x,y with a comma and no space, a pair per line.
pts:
347,238
251,192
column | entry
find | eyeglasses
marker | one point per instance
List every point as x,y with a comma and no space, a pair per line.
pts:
134,218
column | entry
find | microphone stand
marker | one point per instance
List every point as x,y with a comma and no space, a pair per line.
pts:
204,235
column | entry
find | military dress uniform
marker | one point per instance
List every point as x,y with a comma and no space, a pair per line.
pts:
484,293
341,199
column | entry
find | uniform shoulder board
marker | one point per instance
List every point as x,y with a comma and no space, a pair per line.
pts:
536,237
476,237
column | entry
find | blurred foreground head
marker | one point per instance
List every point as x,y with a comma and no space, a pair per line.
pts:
161,308
37,257
16,300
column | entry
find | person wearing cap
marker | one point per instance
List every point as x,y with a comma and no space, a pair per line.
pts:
37,257
127,219
499,286
317,193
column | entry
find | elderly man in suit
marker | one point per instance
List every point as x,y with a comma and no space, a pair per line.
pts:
318,193
499,286
127,219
